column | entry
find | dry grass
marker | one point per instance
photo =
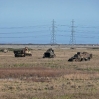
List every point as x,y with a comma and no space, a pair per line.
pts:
56,78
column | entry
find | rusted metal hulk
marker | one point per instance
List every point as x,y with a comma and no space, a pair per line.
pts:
19,53
49,53
81,56
22,52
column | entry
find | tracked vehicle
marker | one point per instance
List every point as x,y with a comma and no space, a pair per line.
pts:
22,52
80,56
49,53
19,53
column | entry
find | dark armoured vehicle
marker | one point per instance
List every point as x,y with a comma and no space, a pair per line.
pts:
81,56
22,52
49,53
19,53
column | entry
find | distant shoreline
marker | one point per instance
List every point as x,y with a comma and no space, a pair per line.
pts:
44,46
50,44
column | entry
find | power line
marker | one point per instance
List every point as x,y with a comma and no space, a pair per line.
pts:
23,32
37,31
25,27
36,36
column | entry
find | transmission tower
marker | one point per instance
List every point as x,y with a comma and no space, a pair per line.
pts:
72,38
53,37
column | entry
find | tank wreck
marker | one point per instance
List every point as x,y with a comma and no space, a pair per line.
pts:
80,56
22,52
49,53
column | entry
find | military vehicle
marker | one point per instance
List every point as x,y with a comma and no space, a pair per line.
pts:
81,56
22,52
49,53
19,53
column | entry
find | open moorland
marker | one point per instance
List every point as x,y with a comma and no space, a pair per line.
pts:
34,77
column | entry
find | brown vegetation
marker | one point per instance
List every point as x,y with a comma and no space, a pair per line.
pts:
43,78
39,74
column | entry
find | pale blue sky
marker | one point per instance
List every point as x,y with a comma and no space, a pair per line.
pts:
16,13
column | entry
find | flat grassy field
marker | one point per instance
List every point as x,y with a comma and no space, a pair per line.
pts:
35,77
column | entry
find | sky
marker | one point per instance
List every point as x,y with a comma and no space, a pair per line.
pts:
30,21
